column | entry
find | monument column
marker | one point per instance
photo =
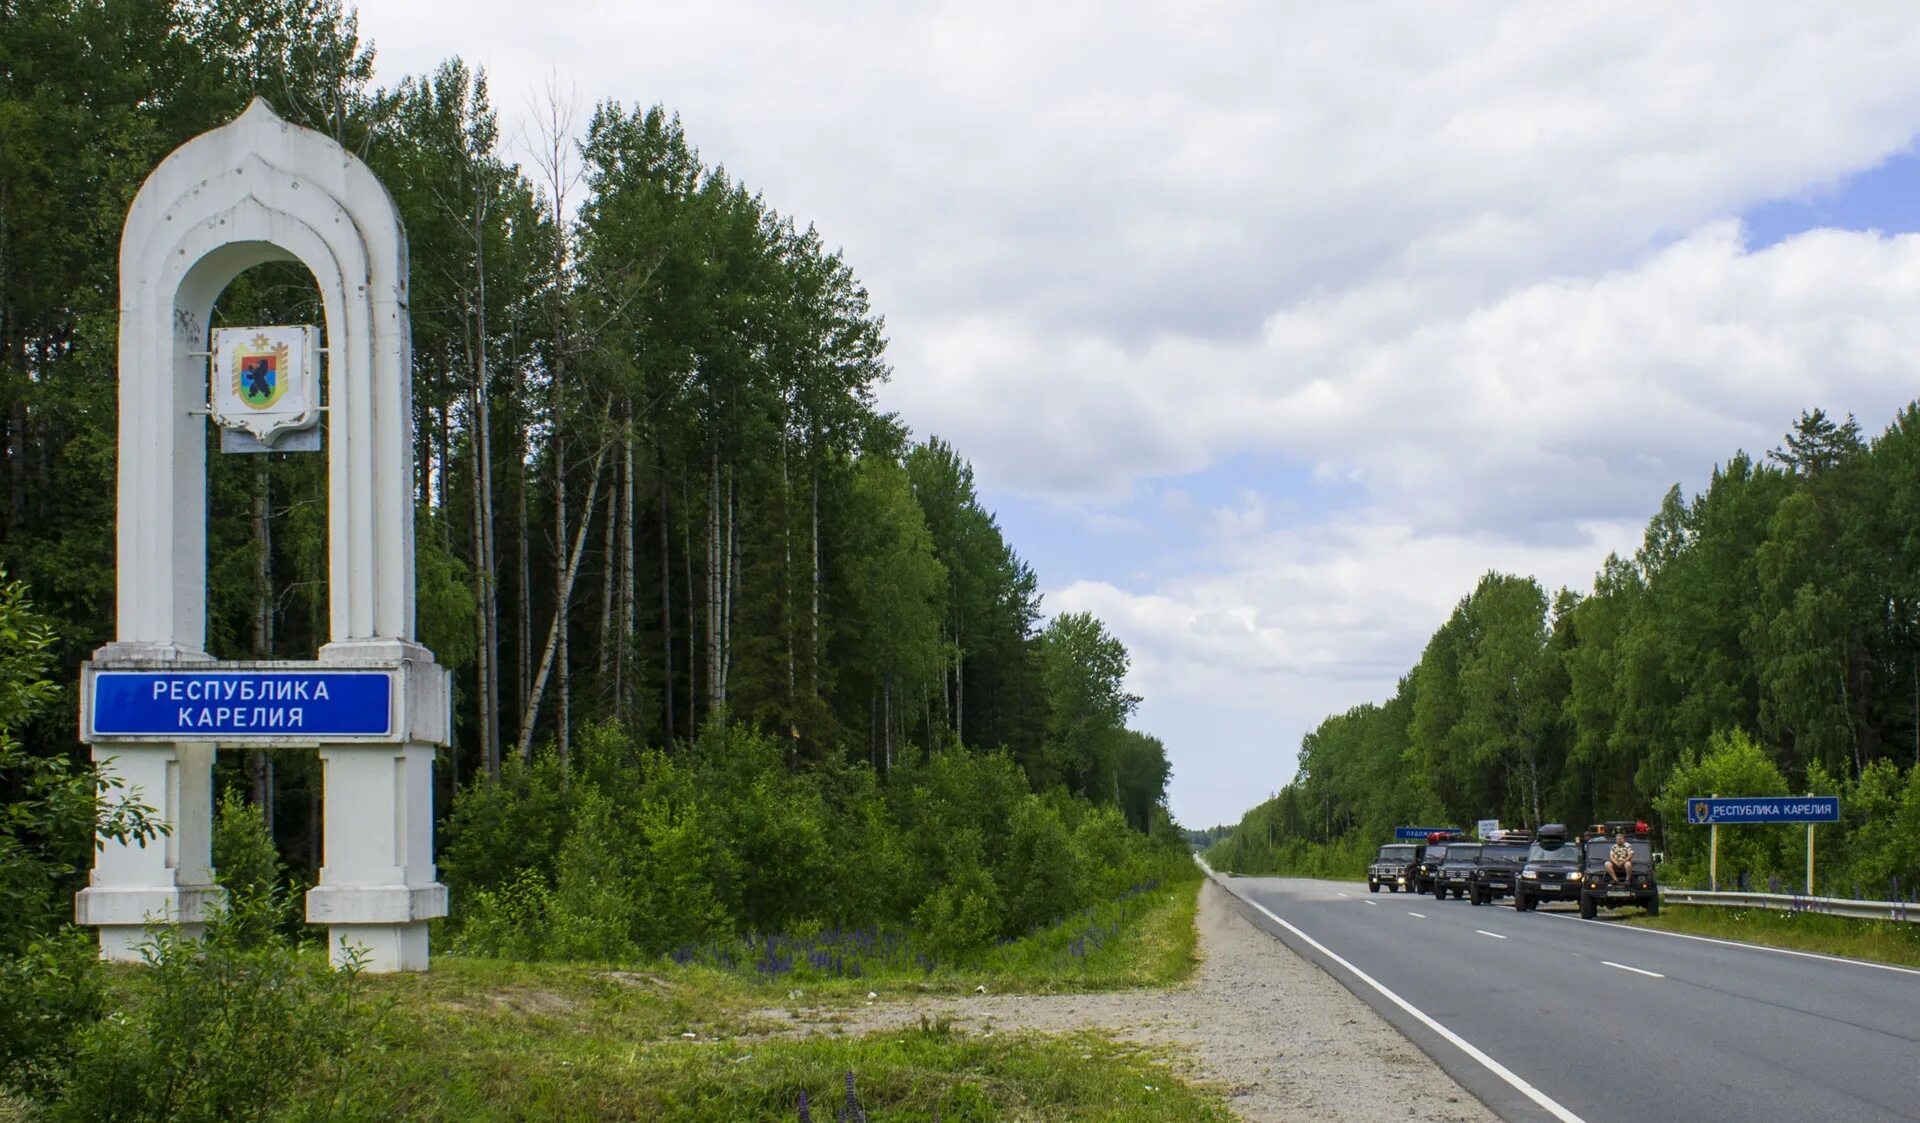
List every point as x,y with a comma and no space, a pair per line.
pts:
168,879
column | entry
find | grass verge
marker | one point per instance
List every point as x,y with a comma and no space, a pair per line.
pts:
1882,941
482,1039
1143,939
435,1068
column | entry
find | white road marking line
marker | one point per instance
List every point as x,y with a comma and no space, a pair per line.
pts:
1484,932
1635,970
1734,943
1339,893
1421,915
1546,1102
1375,904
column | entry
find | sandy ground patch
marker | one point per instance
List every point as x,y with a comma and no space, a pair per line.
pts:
1284,1039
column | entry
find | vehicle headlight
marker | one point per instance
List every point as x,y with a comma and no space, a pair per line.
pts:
1530,873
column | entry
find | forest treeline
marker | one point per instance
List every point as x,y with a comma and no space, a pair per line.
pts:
1764,639
653,485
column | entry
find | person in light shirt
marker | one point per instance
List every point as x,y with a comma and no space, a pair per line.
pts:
1620,858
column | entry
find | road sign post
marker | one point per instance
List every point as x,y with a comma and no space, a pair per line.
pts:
1713,857
1809,859
1712,811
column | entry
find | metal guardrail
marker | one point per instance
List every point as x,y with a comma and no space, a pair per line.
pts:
1904,911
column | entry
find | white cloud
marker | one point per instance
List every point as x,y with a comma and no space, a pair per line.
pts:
1470,262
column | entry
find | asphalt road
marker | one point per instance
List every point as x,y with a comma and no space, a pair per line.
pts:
1606,1022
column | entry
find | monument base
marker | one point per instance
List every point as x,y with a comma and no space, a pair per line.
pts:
123,916
381,948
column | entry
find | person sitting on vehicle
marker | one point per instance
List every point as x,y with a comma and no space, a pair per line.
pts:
1620,858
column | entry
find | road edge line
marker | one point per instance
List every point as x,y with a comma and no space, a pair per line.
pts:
1616,926
1514,1080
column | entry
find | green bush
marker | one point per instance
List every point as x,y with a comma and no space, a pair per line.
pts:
247,865
723,838
510,921
49,991
962,914
223,1028
1044,870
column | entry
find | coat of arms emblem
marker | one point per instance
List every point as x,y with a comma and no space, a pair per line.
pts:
262,380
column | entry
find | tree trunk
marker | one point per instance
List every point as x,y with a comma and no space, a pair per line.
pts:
563,574
629,581
556,634
714,580
730,595
813,632
523,611
603,659
666,591
693,623
489,577
786,563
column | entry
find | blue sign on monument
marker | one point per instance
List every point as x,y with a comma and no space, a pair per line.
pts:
299,705
1417,834
1702,811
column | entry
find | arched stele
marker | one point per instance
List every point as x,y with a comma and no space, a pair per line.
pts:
255,190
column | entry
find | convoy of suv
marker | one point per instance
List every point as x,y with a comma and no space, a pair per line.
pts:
1394,867
1529,866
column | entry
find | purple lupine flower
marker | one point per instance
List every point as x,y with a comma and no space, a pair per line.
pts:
805,1115
852,1112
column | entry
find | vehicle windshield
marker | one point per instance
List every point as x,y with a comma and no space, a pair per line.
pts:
1597,852
1395,854
1436,852
1462,855
1558,852
1513,852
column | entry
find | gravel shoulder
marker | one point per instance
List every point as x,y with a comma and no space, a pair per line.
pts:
1284,1040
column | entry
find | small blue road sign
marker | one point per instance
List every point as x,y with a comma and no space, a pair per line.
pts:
1418,834
1703,811
298,705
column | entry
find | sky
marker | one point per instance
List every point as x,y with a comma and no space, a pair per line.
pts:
1270,327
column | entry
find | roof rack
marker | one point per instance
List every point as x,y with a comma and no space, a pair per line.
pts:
1637,828
1513,834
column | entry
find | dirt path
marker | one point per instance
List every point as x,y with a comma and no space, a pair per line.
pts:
1286,1041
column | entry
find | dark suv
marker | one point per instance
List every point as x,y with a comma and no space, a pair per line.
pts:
1551,872
1431,857
1455,874
1498,869
1599,888
1393,867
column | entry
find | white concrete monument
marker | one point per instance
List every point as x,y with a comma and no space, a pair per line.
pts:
154,704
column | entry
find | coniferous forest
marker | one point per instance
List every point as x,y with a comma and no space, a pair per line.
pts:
1764,640
734,650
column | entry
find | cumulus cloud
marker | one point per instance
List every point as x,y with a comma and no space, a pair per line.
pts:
1472,265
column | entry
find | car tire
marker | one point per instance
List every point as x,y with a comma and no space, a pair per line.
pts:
1653,905
1439,892
1588,910
1373,886
1392,888
1478,898
1519,901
